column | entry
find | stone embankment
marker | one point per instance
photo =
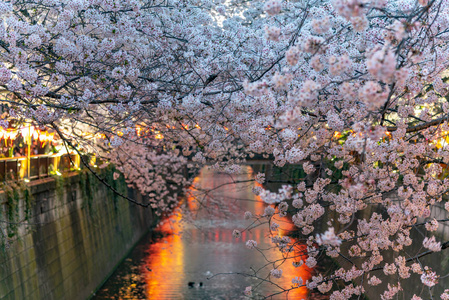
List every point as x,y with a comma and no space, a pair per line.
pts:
77,232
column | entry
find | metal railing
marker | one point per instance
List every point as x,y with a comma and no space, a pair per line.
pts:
40,166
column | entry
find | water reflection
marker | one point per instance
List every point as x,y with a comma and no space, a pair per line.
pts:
162,267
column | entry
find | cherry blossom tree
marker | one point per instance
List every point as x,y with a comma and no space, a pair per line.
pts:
358,99
351,91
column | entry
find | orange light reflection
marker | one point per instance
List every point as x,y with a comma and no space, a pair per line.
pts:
289,271
166,256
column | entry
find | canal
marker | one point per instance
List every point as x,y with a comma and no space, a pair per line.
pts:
201,259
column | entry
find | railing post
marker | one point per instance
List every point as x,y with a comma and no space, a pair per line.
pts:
29,153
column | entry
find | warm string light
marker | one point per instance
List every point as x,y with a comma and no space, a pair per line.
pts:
26,132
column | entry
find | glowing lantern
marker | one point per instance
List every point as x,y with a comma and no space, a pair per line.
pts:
27,132
11,134
35,134
42,136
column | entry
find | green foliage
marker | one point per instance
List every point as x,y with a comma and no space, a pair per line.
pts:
27,198
87,186
13,193
15,213
60,183
118,184
12,210
290,173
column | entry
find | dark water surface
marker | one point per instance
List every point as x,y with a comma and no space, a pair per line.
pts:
163,263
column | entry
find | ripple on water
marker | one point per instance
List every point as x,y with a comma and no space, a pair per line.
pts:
161,267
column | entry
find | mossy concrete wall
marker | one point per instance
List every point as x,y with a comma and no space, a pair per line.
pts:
73,242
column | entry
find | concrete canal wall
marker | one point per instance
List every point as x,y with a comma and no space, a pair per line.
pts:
79,232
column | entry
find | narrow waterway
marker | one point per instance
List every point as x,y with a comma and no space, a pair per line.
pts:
164,263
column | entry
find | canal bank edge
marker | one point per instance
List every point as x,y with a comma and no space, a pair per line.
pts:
72,242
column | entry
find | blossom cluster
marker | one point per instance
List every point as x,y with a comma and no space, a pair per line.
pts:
351,92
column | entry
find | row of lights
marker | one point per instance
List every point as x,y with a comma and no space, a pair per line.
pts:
26,132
